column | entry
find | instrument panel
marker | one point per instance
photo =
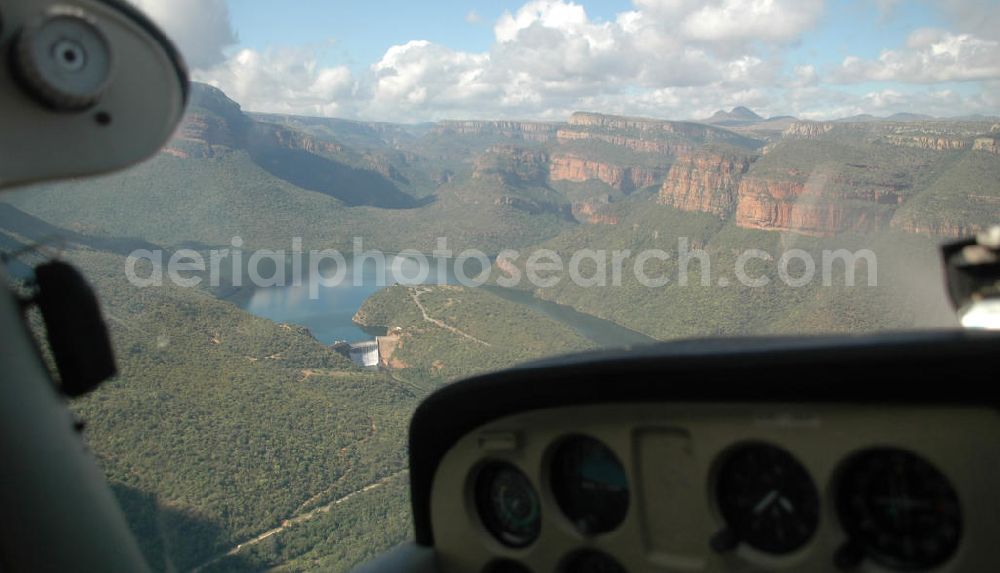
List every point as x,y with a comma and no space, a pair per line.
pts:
722,487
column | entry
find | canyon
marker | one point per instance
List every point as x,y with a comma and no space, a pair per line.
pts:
811,178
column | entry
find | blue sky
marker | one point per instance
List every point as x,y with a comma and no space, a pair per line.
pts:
359,33
417,61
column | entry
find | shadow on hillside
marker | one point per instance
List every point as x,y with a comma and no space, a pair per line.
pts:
34,231
354,187
172,540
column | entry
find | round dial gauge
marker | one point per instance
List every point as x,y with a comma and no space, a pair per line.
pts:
767,499
589,484
590,561
508,504
899,509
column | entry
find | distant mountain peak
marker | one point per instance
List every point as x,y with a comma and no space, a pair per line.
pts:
744,113
739,114
909,117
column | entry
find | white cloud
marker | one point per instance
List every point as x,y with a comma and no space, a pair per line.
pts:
200,28
473,17
727,26
664,58
752,20
978,17
549,57
805,76
884,99
930,56
419,77
285,81
554,14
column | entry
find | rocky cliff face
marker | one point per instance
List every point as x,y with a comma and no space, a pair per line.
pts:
615,122
629,153
808,129
578,170
639,145
695,133
704,182
525,130
725,186
791,206
950,229
585,119
987,144
265,134
931,142
214,123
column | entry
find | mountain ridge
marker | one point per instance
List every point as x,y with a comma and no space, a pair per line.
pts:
736,116
504,184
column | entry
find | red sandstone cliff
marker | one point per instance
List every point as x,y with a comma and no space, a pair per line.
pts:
640,145
704,182
809,209
577,170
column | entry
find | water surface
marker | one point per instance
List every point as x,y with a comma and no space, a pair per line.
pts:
329,316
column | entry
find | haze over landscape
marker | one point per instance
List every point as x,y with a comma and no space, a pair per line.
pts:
236,438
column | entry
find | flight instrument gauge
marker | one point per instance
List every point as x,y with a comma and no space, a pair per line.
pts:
589,484
508,504
898,509
767,499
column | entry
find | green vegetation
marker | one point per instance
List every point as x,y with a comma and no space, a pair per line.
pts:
354,532
222,425
445,333
851,166
909,291
172,202
964,196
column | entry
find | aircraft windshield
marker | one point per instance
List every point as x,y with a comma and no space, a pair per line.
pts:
368,202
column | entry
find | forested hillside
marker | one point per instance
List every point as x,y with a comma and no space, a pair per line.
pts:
444,333
908,289
222,426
